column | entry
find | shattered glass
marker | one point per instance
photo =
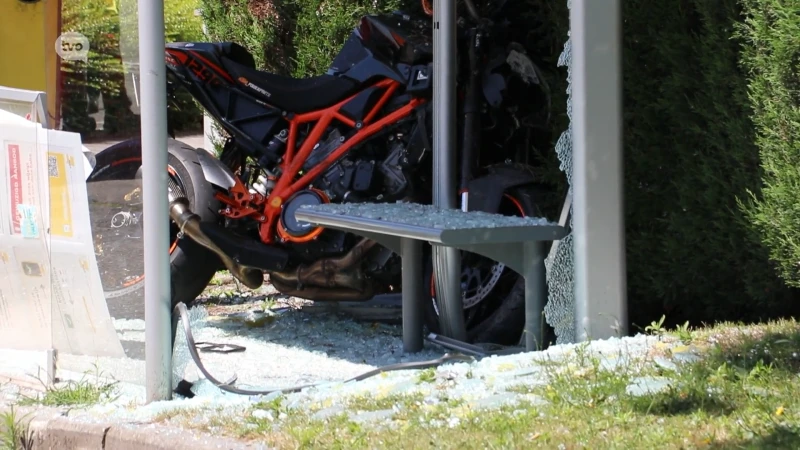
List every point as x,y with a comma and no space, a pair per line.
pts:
427,216
560,308
181,359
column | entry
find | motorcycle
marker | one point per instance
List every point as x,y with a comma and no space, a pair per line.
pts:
360,133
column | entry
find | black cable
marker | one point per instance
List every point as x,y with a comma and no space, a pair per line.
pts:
180,308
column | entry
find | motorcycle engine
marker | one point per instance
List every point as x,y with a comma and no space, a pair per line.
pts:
378,171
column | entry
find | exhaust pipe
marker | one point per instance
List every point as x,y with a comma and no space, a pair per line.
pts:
189,223
329,273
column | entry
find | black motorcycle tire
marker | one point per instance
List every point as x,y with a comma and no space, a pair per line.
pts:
191,266
503,318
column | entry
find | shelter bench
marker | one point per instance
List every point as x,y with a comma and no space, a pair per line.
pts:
517,242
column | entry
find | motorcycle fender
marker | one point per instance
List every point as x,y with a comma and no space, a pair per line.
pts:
486,192
214,171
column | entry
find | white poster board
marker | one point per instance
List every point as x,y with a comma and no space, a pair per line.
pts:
50,290
25,306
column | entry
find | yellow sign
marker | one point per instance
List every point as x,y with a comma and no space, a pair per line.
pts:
60,204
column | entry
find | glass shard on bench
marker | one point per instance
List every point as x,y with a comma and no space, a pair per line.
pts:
428,216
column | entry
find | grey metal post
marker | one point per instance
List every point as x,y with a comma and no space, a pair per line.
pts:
535,294
600,282
446,261
158,351
413,294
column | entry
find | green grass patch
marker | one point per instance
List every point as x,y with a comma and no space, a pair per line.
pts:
83,392
426,376
221,278
14,434
369,403
73,393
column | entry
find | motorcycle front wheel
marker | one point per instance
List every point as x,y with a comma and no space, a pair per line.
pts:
115,206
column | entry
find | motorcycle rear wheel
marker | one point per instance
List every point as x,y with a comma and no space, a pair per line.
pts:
498,317
191,265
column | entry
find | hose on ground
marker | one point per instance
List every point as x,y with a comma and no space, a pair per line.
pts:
181,310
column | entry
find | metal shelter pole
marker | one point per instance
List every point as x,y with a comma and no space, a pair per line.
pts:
446,261
598,180
158,325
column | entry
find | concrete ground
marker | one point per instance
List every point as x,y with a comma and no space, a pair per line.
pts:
52,428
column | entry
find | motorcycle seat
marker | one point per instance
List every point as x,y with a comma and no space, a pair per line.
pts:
235,52
297,95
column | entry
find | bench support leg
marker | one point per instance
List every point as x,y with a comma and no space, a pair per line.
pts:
535,276
413,294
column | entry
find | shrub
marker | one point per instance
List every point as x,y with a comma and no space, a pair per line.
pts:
261,26
771,32
690,158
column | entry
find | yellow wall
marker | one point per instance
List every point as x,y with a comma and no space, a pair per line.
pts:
27,46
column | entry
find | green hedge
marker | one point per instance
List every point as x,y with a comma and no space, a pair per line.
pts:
260,26
699,230
692,162
771,30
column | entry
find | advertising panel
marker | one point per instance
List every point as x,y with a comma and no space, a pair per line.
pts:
50,290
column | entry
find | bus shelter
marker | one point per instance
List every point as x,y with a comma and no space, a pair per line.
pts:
595,29
594,170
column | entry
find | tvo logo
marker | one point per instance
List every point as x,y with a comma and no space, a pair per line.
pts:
72,46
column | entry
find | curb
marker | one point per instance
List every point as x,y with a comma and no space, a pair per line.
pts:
51,429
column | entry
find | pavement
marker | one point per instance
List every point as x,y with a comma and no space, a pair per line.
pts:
52,428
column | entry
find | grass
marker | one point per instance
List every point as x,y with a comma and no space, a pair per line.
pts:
221,278
426,376
743,393
72,393
14,435
369,403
